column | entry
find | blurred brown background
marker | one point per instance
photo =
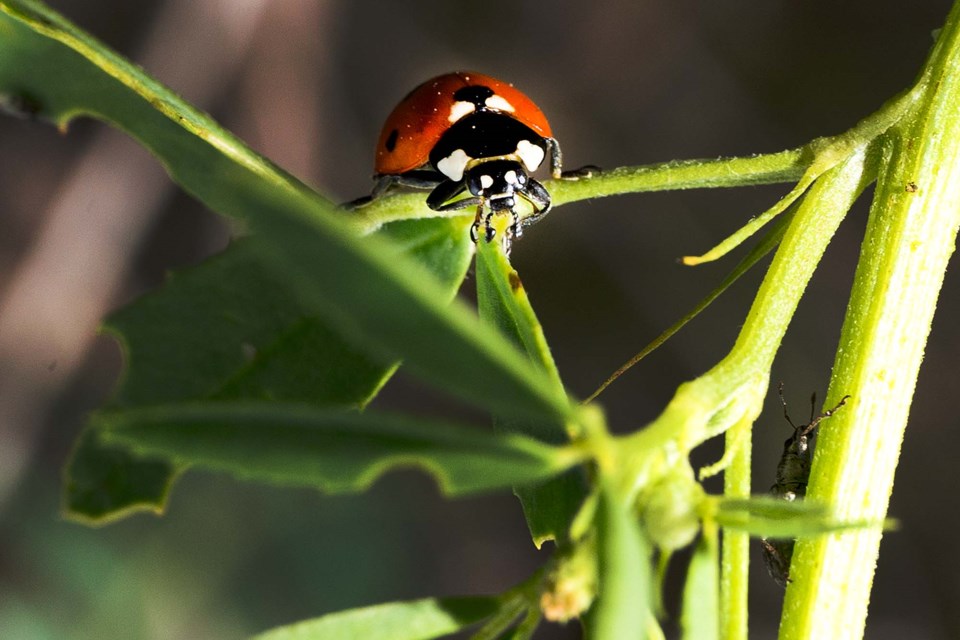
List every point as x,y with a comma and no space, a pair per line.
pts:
88,221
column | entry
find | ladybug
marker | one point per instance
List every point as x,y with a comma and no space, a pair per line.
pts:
466,131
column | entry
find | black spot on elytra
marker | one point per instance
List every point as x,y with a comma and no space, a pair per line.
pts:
476,94
391,143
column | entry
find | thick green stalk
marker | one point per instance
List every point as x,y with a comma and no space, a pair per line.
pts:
910,237
735,561
731,394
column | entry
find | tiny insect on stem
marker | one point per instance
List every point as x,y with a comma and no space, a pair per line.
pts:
793,474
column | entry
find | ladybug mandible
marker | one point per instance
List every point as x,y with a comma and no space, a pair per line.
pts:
465,131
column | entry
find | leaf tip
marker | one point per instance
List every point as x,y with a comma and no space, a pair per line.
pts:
97,519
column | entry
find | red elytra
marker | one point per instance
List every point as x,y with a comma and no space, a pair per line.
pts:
415,125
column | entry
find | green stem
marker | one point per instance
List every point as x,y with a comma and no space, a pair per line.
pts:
769,242
734,389
732,392
827,153
771,168
910,237
735,562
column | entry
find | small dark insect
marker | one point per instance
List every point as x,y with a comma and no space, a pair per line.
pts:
793,473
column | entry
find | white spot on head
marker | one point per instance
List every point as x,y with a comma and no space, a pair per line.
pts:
486,181
510,177
454,165
530,154
498,103
460,109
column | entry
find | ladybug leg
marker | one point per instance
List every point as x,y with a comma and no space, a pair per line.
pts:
515,229
463,203
488,231
537,195
586,171
384,183
418,179
475,227
437,200
445,191
556,158
556,164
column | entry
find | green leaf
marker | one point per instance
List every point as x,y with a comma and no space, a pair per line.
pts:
622,609
511,608
229,329
549,508
503,302
362,289
414,620
766,244
527,626
335,451
393,308
103,482
700,618
390,305
770,517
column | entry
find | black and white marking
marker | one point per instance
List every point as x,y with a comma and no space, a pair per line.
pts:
477,98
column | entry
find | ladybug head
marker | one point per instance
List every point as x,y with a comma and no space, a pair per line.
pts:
497,181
